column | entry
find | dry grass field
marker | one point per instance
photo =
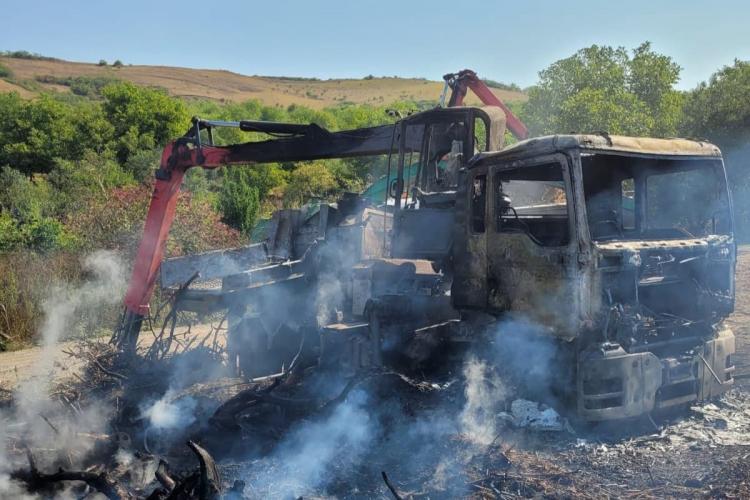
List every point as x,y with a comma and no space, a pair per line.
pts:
227,86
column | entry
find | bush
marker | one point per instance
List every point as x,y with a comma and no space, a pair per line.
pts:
197,226
25,198
24,54
117,63
46,234
142,164
238,199
101,62
5,72
93,176
25,283
86,86
310,181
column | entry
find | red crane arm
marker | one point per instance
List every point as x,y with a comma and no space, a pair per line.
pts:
466,79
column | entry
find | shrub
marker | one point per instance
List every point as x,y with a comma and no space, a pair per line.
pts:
5,72
25,279
46,234
238,199
197,226
101,62
86,86
25,54
117,63
142,164
90,177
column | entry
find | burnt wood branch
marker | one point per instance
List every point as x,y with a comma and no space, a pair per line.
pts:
225,415
391,488
210,480
38,481
162,475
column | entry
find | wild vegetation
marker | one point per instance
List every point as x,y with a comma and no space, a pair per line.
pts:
76,169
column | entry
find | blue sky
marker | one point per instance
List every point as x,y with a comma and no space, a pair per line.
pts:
502,40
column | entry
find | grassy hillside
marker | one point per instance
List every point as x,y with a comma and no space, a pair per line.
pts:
228,86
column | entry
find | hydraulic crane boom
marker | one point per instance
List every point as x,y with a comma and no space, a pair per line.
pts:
293,142
466,79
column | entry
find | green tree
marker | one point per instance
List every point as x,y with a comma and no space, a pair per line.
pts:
142,118
238,199
719,110
602,88
33,134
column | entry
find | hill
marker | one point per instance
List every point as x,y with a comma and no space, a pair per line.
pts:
223,85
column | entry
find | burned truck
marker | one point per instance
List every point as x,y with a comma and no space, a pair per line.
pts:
621,248
618,250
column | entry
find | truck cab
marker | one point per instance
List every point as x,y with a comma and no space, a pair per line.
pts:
621,249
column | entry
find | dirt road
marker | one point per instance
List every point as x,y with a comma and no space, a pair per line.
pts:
17,366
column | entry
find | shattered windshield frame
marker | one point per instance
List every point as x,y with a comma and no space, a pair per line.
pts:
630,197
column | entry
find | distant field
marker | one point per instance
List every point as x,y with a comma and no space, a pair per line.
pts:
228,86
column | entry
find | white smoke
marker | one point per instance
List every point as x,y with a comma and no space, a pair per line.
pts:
484,394
308,457
170,412
36,420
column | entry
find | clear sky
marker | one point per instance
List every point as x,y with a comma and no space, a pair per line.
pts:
502,40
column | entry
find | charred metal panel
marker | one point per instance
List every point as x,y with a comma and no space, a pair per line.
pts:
211,265
540,279
716,366
425,233
613,384
541,282
469,250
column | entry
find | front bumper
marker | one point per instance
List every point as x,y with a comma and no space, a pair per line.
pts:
613,384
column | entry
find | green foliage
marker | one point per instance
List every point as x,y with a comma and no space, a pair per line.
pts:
94,175
87,86
5,72
40,234
46,234
24,54
142,164
238,199
101,62
502,86
117,63
142,118
34,133
606,89
25,198
720,109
